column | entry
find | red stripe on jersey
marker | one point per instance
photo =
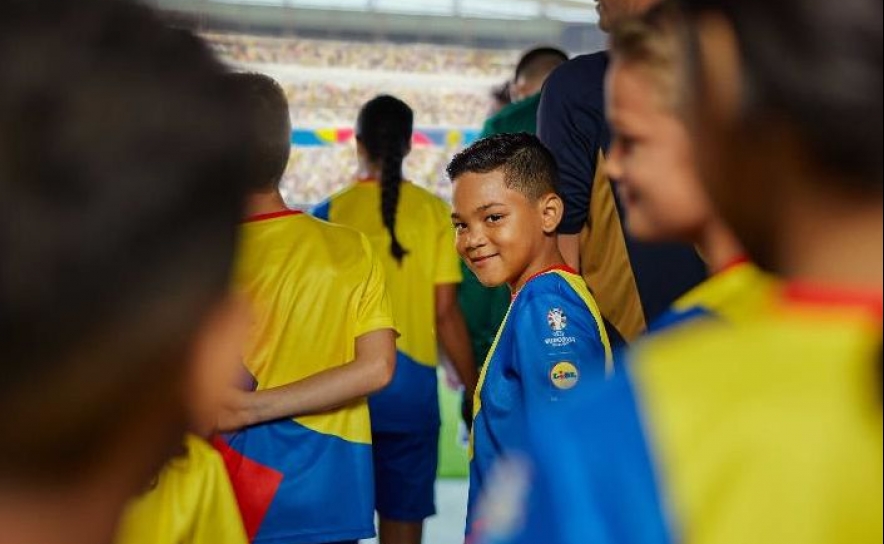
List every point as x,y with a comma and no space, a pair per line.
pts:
562,267
735,262
818,295
271,215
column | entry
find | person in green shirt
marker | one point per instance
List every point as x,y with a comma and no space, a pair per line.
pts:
485,308
531,71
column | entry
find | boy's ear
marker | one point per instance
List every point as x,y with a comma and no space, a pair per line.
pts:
216,360
551,210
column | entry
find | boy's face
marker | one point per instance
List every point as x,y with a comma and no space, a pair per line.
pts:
652,161
500,232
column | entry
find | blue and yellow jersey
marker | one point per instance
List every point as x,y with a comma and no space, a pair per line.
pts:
191,503
766,432
423,226
549,351
736,294
314,288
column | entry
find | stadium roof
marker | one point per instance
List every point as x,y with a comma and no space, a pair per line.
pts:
493,23
577,11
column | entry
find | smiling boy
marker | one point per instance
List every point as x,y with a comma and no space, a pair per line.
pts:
552,344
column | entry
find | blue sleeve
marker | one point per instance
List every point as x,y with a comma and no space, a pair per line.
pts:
322,210
558,352
592,478
571,122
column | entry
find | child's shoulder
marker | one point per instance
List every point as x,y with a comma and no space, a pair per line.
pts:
330,248
422,194
561,284
552,295
334,232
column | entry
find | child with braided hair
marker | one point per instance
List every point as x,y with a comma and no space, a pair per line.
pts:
422,269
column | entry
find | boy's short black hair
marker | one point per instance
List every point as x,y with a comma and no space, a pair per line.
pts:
265,104
539,59
120,194
527,165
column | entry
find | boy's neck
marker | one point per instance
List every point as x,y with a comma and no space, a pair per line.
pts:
550,257
260,203
718,247
833,240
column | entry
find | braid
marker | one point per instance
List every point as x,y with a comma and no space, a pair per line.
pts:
384,128
391,184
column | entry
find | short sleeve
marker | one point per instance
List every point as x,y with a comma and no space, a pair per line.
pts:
608,491
447,269
374,311
559,351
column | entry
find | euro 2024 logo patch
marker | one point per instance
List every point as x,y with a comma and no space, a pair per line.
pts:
557,319
564,375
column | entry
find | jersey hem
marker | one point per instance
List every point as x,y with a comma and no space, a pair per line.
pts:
378,324
316,537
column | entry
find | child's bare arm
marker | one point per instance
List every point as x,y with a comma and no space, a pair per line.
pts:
370,371
452,332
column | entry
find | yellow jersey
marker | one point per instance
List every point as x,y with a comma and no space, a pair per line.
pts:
314,289
423,226
191,503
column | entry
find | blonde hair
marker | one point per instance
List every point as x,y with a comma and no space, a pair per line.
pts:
654,44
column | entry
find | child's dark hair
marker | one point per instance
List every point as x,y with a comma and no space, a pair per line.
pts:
527,165
266,106
384,129
120,193
818,65
539,59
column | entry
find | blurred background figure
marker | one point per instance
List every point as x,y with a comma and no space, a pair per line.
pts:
120,193
499,98
410,231
634,281
768,429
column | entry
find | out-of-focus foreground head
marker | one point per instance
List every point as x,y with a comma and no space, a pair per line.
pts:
789,104
121,186
265,104
612,12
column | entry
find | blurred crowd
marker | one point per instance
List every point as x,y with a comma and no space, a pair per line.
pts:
411,58
318,103
314,173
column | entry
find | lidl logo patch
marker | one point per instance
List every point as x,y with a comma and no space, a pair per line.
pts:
564,375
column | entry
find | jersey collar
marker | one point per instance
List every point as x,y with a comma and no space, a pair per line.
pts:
810,294
272,215
560,267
